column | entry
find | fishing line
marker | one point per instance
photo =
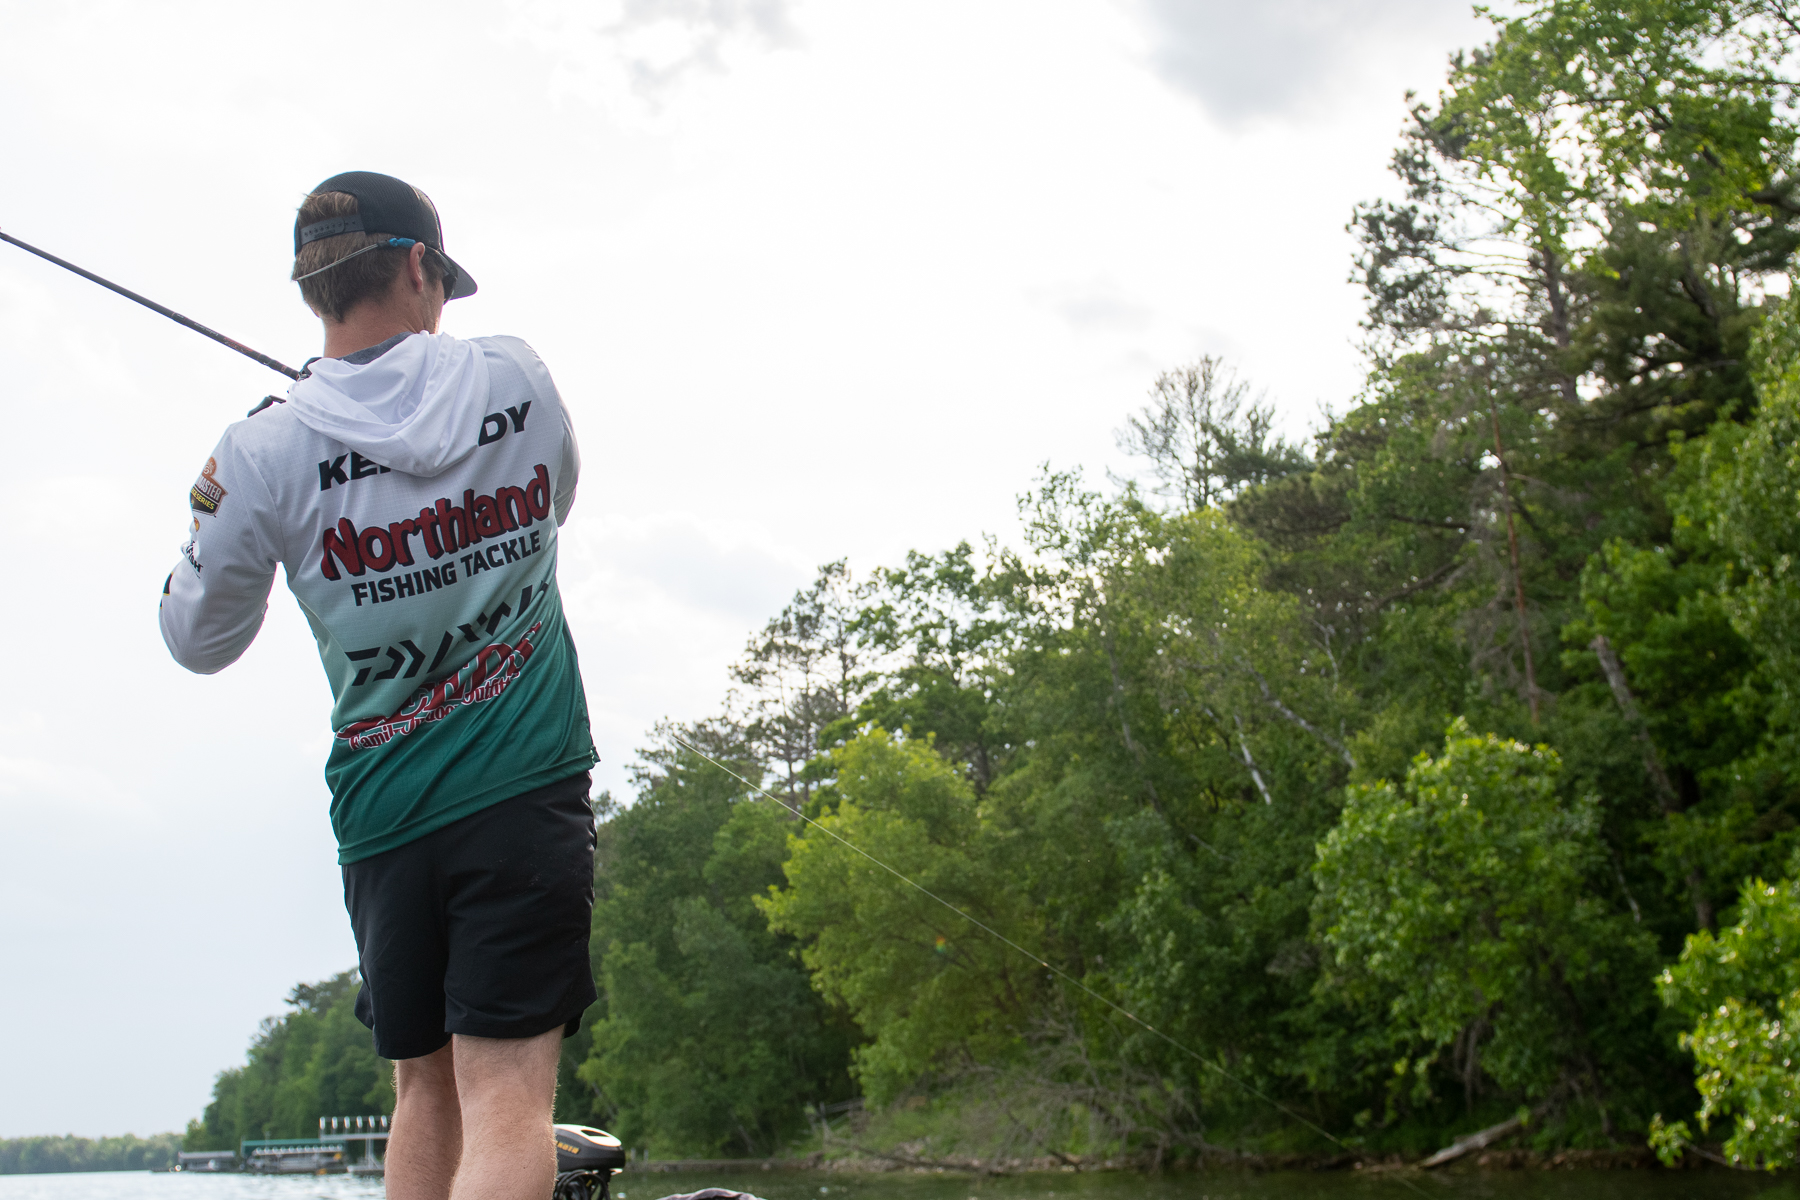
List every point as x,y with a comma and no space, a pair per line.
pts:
1057,971
153,306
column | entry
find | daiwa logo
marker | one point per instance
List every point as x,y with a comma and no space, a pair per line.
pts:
486,676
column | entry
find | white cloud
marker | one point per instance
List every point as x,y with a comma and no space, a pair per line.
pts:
629,57
1101,307
1279,57
64,782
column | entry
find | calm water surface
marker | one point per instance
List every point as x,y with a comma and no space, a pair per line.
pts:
819,1185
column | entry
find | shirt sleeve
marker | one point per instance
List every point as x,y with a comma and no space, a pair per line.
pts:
214,601
570,472
569,464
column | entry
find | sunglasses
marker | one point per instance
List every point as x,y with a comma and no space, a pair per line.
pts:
447,267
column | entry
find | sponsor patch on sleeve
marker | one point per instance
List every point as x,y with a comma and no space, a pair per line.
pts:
207,493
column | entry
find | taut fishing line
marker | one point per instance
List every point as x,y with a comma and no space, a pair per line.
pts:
1057,971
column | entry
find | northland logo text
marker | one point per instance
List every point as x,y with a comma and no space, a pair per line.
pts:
442,529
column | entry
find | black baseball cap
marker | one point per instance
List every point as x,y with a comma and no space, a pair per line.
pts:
391,206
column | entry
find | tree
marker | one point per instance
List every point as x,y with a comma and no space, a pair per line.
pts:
939,628
1746,504
800,674
923,984
316,1060
1459,904
1205,437
1591,212
708,1037
1740,991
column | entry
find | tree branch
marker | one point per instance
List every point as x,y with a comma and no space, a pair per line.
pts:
1274,702
1482,1139
1417,585
1244,745
1659,778
1775,200
1621,690
1456,526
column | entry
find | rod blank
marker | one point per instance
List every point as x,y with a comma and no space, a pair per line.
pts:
170,313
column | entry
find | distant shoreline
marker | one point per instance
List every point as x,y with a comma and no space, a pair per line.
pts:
68,1154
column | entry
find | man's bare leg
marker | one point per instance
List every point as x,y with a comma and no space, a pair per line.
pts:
426,1139
507,1087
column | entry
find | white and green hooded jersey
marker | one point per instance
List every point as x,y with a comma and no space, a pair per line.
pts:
412,492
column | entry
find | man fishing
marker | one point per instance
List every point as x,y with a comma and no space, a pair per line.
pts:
411,486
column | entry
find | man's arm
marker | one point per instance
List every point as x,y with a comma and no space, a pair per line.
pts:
214,600
570,473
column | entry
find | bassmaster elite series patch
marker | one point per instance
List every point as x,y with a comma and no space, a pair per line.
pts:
207,493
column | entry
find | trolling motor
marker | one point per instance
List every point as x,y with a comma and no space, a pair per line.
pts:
586,1159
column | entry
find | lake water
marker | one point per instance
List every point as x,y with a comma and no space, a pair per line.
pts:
821,1185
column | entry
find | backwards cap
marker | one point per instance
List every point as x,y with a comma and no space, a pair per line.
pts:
387,205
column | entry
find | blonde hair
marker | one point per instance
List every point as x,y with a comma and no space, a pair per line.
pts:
333,293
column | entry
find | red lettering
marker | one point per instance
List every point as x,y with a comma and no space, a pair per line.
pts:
342,542
470,534
445,528
487,517
490,659
365,542
537,494
450,524
399,532
428,527
515,513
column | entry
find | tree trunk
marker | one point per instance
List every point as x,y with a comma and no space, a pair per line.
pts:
1666,795
1621,690
1512,541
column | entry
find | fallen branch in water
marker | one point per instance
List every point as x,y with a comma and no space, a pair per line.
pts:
909,1160
1482,1139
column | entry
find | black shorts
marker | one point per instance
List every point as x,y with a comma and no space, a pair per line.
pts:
479,928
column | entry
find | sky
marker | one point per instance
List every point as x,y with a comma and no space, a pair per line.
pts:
817,279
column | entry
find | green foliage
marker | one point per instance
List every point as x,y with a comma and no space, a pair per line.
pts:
316,1060
940,627
708,1038
1747,503
42,1155
1459,904
921,982
1741,991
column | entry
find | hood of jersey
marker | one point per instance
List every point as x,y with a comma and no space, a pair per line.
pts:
411,409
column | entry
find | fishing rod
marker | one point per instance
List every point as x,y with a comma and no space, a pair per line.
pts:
170,313
1056,971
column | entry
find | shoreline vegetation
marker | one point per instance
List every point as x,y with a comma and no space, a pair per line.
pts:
875,1162
68,1153
1438,774
71,1154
